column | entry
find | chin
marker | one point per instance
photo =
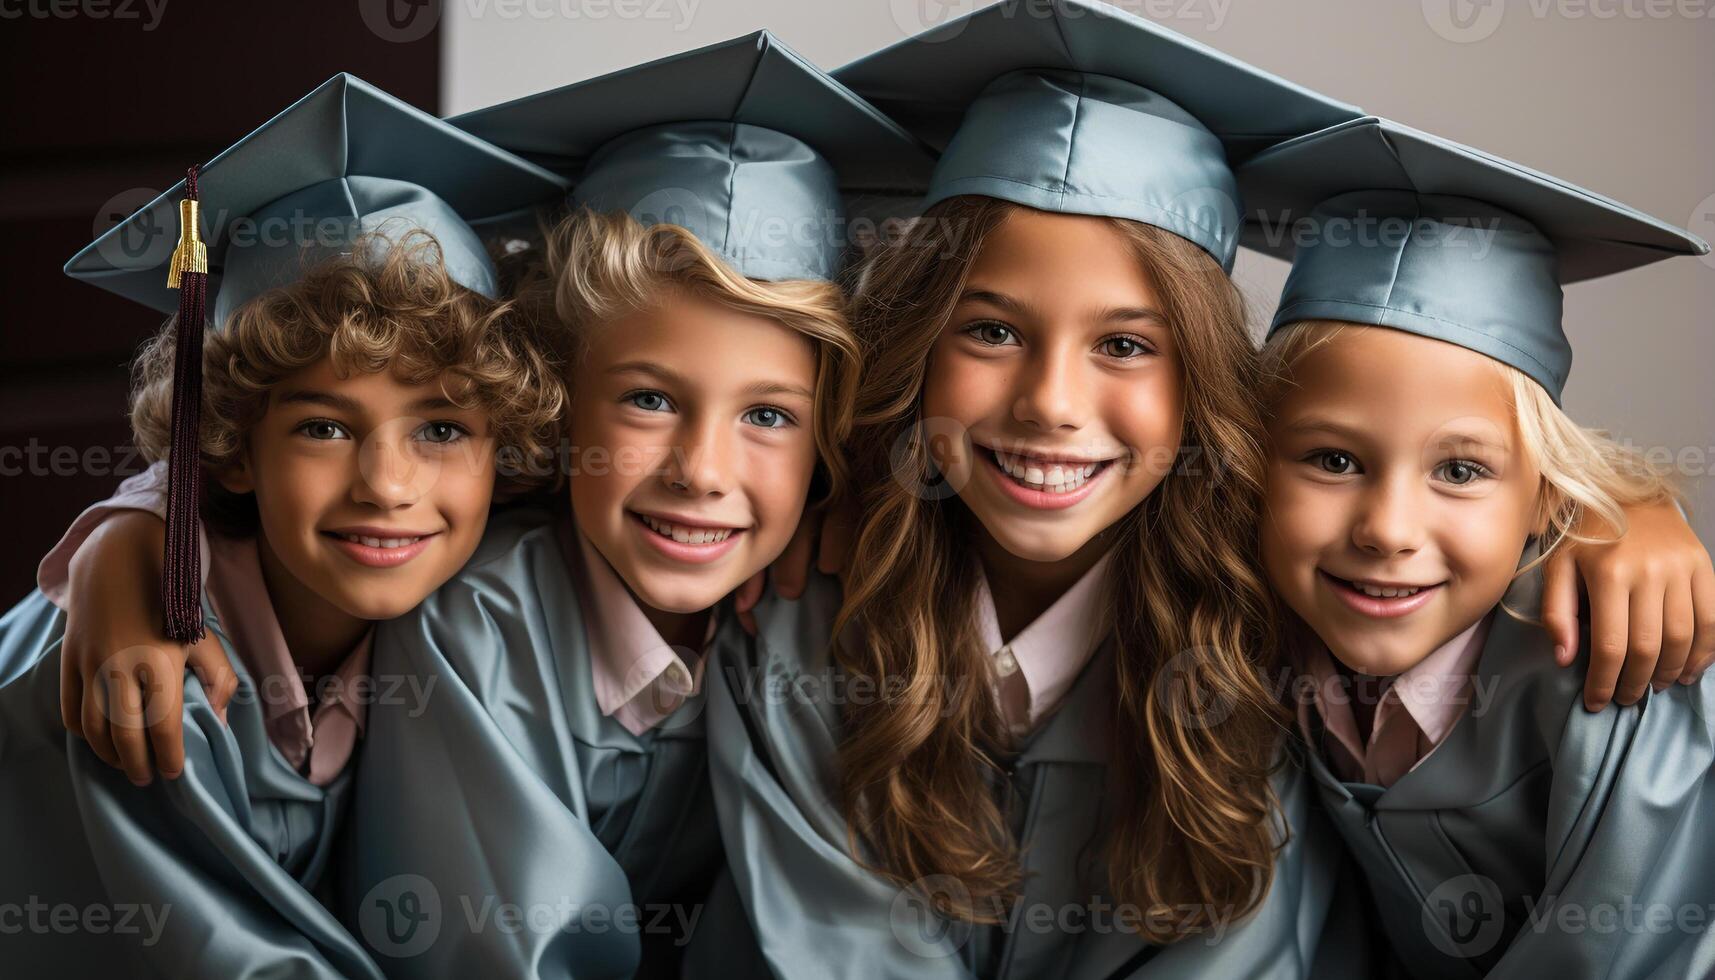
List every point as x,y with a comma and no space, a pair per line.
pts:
1380,656
1047,547
378,607
679,594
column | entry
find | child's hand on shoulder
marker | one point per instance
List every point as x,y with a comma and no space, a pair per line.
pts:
1651,599
121,678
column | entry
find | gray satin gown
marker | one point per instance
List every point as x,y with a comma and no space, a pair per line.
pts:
229,859
773,731
1518,846
506,793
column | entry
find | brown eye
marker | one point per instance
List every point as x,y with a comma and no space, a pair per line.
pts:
1336,462
1124,348
991,333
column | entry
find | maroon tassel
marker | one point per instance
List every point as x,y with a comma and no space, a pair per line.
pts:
181,564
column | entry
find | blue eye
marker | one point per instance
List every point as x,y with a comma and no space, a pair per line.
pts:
1460,472
769,417
992,333
323,429
648,401
442,433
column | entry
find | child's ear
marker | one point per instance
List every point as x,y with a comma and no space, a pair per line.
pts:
237,477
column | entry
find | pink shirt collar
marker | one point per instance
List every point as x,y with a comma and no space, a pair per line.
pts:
1035,670
324,734
639,679
1420,708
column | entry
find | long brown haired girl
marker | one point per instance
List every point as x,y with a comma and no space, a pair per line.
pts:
1042,742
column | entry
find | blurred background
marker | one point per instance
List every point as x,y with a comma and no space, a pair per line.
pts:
113,98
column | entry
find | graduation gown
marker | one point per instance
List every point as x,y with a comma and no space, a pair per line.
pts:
1538,839
213,874
504,793
773,731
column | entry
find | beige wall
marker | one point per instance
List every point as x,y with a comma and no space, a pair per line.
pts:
1609,94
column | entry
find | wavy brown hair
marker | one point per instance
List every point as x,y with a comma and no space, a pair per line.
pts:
1189,802
385,306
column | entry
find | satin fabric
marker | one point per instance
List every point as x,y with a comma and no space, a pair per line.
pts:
1516,847
1096,145
773,731
505,787
232,855
744,143
345,159
1394,227
764,201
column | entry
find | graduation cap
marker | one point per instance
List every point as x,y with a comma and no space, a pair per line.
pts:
1077,107
1393,227
346,160
744,143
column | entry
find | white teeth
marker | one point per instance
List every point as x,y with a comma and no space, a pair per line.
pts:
1379,592
686,535
1055,478
371,542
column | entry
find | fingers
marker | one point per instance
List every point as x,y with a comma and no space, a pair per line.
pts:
95,728
1560,605
1703,642
1678,627
1608,633
71,693
130,741
1643,649
219,680
163,693
792,569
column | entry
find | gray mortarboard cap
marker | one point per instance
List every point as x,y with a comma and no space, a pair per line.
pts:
1081,108
345,160
1393,227
744,143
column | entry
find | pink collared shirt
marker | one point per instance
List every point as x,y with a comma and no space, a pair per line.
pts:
639,679
1033,672
1417,711
318,741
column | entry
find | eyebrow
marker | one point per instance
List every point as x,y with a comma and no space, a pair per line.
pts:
1315,423
669,376
1113,314
344,403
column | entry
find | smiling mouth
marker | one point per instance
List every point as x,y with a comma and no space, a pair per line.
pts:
377,542
687,533
1047,475
1384,599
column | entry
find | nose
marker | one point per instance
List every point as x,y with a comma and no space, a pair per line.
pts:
704,462
1051,393
389,475
1389,520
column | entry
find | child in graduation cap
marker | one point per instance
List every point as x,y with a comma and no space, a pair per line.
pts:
1041,744
1420,472
711,374
355,387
